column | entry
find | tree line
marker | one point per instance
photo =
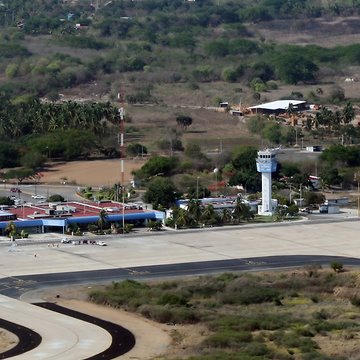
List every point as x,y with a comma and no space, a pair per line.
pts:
32,131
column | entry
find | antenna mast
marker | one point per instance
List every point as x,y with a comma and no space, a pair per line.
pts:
121,99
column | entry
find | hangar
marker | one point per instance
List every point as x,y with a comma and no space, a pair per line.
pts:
278,107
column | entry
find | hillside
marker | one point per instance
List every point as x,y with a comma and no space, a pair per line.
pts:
202,51
161,59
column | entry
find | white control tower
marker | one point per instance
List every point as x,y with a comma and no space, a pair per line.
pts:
266,164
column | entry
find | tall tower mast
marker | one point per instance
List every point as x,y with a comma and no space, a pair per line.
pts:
121,99
266,164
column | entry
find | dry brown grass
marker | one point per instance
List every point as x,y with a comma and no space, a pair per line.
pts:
325,32
90,173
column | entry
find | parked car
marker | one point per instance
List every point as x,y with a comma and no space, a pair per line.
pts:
65,240
12,197
38,197
15,190
101,243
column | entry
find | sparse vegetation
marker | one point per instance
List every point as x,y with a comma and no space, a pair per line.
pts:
241,315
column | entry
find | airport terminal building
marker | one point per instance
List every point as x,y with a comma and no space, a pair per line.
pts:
56,217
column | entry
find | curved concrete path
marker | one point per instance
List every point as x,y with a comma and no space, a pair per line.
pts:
63,337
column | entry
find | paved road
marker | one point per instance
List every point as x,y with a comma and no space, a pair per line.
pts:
62,337
173,254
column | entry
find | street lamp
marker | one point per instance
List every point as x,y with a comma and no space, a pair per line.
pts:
216,170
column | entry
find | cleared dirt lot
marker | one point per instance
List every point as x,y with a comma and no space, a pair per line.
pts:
90,173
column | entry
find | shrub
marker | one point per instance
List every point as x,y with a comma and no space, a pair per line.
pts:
56,198
250,295
228,338
157,313
256,349
92,227
172,299
355,300
88,195
337,266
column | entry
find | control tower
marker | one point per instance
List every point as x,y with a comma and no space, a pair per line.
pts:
266,164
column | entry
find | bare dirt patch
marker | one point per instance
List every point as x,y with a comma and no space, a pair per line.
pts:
90,173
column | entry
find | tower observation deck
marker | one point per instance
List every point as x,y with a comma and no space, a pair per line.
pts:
266,164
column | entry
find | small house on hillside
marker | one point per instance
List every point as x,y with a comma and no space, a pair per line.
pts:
278,107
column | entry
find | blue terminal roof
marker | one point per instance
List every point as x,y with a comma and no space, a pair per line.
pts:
63,222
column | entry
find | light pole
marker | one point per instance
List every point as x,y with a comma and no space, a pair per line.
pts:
216,170
197,188
290,199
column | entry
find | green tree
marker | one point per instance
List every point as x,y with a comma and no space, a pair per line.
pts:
136,149
226,216
330,176
242,211
272,132
157,165
348,113
32,160
208,215
183,218
161,191
292,210
294,67
56,198
193,151
11,70
11,229
5,200
194,209
20,174
313,198
230,74
153,225
204,73
184,121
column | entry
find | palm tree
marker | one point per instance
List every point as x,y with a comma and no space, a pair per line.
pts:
183,218
208,215
348,113
11,229
242,211
103,218
226,216
195,209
